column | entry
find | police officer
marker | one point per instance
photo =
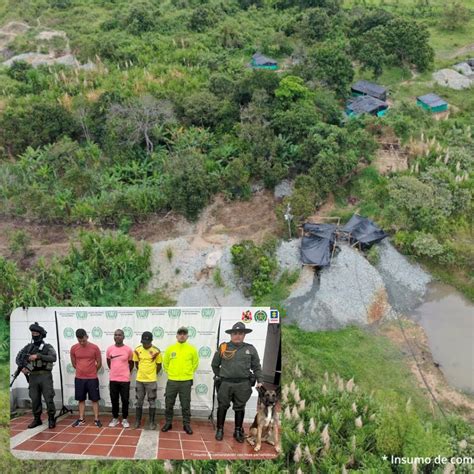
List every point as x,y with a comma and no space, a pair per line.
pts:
236,366
37,360
180,362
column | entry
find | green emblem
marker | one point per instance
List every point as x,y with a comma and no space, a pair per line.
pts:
174,313
208,313
97,332
205,352
72,401
101,370
158,332
201,389
191,332
102,402
142,313
260,316
81,314
70,369
158,404
111,314
127,332
68,333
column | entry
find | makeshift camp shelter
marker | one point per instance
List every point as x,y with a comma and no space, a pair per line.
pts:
432,102
369,88
317,244
366,105
363,231
260,61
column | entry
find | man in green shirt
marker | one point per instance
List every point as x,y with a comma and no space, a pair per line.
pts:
180,362
234,365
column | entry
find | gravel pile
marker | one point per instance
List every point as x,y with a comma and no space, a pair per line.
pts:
288,255
406,283
283,189
452,79
208,295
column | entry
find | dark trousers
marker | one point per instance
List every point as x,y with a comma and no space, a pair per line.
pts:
183,388
122,390
237,393
42,384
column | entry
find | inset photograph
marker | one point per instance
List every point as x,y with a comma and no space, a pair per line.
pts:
145,383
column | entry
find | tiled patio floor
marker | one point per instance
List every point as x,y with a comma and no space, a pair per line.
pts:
117,442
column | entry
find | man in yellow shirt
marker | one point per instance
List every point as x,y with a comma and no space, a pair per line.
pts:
180,362
147,360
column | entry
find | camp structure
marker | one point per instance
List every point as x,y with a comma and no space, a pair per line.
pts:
366,105
432,102
317,244
259,61
363,231
370,89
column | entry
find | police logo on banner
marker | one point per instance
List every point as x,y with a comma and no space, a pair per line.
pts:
191,331
260,316
158,332
205,352
72,401
101,370
201,389
174,313
68,333
127,332
81,314
274,316
208,313
70,369
96,332
111,314
142,313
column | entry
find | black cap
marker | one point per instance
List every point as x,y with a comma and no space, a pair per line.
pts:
238,327
37,328
147,336
182,330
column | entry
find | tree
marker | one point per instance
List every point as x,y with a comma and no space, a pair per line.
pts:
314,24
141,18
138,122
455,16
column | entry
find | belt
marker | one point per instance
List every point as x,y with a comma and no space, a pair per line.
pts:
40,372
237,380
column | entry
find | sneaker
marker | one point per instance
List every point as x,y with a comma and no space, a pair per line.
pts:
114,422
98,423
125,423
79,422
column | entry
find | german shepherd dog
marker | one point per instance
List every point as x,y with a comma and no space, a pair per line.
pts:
265,424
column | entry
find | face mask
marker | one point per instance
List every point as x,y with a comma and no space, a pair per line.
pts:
37,338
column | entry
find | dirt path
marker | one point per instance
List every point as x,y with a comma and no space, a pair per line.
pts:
459,52
449,398
322,214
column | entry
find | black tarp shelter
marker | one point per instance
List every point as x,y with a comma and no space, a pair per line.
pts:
369,88
366,104
317,244
363,231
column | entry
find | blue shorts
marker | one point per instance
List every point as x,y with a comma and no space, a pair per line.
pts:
84,387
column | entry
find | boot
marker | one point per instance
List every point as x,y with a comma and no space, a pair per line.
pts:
151,421
138,420
239,431
221,413
167,427
36,422
187,428
51,422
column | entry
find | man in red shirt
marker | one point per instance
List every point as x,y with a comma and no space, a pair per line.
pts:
86,359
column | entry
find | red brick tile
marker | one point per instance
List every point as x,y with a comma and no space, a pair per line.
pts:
130,432
51,447
193,445
29,445
72,448
92,430
169,435
170,454
85,438
44,436
74,429
217,446
112,431
97,450
127,441
105,439
169,444
64,437
196,455
123,452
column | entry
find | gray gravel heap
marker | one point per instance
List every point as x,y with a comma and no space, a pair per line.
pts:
288,255
209,295
283,189
452,79
406,282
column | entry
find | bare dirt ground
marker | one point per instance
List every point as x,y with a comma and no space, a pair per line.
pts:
461,51
220,222
447,396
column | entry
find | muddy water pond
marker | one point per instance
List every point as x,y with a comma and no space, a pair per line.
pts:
448,320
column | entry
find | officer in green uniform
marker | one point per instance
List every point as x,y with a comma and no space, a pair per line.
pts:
180,362
37,360
236,366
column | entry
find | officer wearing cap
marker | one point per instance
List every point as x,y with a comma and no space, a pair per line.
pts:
37,360
148,361
235,365
180,362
